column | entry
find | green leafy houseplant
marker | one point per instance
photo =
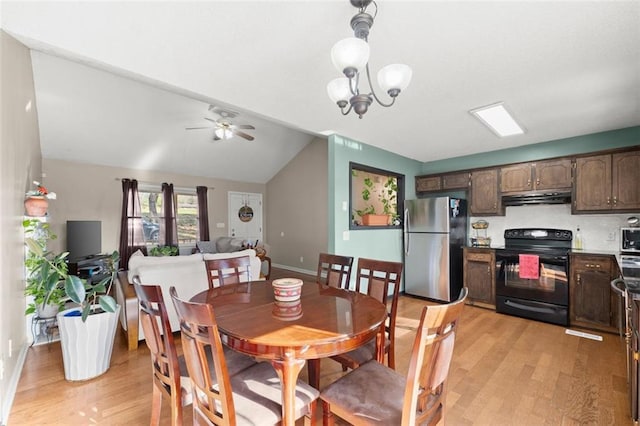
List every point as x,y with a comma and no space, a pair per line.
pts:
45,270
164,251
50,282
386,195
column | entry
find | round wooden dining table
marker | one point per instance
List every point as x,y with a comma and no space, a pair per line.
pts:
325,321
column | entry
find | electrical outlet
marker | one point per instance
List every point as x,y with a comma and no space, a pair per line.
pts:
301,259
611,236
10,347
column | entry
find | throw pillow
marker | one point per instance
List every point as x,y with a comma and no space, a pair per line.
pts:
206,246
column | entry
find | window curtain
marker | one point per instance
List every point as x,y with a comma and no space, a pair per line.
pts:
170,223
131,234
203,213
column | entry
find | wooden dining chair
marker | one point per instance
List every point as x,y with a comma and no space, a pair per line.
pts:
228,271
376,278
170,378
334,270
376,394
251,397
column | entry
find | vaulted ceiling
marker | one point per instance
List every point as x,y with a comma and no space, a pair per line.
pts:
114,77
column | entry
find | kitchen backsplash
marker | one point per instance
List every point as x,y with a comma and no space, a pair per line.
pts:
599,231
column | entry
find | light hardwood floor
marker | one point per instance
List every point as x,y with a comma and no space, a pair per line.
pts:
505,371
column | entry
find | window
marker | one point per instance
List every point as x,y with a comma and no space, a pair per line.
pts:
376,197
153,225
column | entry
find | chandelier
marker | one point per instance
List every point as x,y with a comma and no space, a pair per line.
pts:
351,56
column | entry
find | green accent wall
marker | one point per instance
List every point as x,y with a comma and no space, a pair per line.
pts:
557,148
383,244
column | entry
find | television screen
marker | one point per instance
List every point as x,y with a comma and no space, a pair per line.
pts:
84,238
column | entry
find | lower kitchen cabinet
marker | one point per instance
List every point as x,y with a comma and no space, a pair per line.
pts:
592,303
479,275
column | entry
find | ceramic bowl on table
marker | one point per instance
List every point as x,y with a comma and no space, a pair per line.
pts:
287,289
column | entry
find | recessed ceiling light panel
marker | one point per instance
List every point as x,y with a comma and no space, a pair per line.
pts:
497,118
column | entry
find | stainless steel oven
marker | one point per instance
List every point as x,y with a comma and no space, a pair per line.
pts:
532,274
630,240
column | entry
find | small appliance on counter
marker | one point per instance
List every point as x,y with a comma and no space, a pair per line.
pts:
480,230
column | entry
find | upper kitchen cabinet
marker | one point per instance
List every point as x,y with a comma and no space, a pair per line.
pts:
607,182
444,182
552,175
484,195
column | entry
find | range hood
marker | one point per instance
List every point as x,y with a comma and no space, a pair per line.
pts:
537,198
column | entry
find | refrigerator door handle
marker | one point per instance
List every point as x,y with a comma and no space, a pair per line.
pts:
407,235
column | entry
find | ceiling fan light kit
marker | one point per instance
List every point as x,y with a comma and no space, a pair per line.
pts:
223,127
350,56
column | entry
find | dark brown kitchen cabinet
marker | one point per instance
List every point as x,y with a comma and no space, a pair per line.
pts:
428,183
607,182
455,181
445,182
592,303
484,196
552,175
479,276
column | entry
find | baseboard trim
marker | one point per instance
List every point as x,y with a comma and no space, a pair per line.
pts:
7,400
294,269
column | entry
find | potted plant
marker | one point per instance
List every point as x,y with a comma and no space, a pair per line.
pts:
164,251
45,271
36,202
87,331
387,198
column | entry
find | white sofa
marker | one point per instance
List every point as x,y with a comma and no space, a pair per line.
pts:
186,273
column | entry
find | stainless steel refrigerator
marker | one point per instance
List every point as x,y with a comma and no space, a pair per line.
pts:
435,230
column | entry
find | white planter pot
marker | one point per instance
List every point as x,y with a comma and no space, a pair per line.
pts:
47,311
87,346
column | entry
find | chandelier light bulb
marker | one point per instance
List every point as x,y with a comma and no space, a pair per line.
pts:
394,78
338,90
350,53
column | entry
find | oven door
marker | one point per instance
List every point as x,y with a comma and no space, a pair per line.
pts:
551,286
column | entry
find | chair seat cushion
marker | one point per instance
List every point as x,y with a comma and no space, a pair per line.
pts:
372,393
257,396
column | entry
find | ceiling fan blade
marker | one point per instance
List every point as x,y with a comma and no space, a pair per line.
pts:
242,134
211,119
243,126
195,128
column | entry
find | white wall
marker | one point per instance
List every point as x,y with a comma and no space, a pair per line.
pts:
20,164
595,228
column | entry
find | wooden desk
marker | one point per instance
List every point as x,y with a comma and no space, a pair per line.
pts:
333,321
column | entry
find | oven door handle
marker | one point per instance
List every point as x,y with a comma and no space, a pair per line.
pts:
529,308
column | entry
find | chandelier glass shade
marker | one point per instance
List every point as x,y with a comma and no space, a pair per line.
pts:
350,56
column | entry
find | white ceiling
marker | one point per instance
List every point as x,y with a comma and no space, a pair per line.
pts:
563,68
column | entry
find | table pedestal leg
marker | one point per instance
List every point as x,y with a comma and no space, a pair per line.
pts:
288,369
313,371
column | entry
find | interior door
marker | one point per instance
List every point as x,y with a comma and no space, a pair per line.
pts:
245,216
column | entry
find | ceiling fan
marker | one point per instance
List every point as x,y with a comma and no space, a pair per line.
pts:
223,127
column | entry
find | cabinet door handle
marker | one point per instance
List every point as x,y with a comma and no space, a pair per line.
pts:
608,200
578,279
537,181
529,182
615,200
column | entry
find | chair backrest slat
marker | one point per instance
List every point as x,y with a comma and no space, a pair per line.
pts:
334,270
231,270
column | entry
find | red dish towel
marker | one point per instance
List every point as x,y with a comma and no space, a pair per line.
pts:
529,266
